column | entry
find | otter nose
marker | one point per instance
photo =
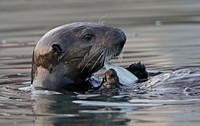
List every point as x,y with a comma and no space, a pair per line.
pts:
120,37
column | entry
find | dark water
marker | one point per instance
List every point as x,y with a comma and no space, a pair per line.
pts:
163,34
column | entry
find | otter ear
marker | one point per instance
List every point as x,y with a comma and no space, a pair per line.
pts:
57,48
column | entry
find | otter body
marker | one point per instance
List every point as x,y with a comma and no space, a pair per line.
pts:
182,81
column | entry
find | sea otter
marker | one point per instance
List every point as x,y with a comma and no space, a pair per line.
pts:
66,56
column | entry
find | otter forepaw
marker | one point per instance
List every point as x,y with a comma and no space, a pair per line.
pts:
139,70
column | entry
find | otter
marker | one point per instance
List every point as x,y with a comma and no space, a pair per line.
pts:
66,56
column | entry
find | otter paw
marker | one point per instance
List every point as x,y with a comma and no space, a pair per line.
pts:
139,70
111,79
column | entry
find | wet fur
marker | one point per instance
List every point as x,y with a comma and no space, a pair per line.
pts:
67,55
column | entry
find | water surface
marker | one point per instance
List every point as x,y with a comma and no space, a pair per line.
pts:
162,34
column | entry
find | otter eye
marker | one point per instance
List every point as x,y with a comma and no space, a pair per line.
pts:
57,48
88,37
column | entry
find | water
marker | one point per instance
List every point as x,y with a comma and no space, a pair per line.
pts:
162,34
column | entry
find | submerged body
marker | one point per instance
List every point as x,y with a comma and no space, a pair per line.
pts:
182,81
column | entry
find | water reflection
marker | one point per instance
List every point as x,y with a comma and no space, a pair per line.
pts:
60,110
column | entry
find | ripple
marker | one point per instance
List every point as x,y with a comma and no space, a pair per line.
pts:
111,104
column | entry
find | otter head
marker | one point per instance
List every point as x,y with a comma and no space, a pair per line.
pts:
69,54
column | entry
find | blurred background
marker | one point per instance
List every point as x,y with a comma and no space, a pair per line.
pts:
162,34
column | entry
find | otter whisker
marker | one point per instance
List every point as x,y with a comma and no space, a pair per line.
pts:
98,60
109,55
98,51
88,61
101,58
100,20
120,57
102,54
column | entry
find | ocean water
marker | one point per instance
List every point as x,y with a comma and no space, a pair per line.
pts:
164,35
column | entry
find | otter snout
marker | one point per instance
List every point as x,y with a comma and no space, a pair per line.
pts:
120,37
